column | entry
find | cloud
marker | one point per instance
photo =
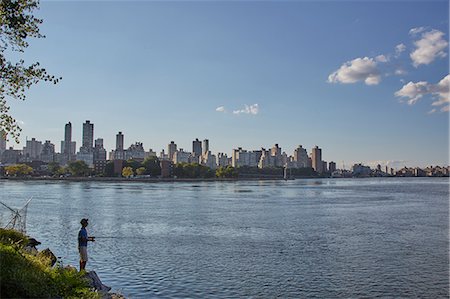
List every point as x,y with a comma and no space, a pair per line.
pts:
430,46
416,90
252,109
399,49
400,72
416,30
413,91
221,109
381,58
389,163
432,111
360,69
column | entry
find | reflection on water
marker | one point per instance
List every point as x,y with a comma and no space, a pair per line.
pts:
303,238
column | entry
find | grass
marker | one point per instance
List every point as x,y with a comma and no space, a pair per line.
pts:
23,275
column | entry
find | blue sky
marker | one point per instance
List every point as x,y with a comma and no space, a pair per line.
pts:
248,74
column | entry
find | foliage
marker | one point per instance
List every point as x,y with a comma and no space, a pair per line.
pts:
17,24
192,170
127,172
18,170
226,172
78,168
28,276
109,169
133,164
10,236
140,171
152,167
54,168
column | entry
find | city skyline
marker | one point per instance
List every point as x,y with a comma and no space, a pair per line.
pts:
248,75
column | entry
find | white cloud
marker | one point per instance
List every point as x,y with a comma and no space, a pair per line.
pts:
416,90
400,72
416,30
252,109
360,69
399,49
430,46
432,111
221,109
381,58
445,108
413,91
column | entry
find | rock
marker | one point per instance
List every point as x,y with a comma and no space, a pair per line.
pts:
95,282
47,253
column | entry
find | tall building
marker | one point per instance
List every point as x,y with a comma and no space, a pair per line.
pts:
301,157
196,148
119,141
2,142
205,147
171,149
66,150
99,150
316,159
88,137
32,150
48,152
332,166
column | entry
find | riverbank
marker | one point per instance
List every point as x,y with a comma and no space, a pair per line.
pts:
29,273
148,180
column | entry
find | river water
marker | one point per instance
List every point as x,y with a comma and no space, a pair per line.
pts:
327,238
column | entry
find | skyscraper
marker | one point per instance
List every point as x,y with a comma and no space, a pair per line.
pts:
196,148
301,157
88,136
119,141
67,139
316,159
171,149
205,146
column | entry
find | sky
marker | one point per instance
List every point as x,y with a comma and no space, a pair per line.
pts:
367,81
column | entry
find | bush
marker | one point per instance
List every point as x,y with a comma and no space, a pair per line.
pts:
27,276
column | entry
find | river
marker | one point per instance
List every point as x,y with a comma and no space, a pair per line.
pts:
324,238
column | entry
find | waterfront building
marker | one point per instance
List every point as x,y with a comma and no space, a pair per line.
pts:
99,150
136,152
196,148
171,149
119,152
266,159
32,150
209,160
166,168
11,156
151,153
301,157
88,137
332,166
324,166
316,159
222,160
242,157
360,170
2,142
275,152
180,156
86,157
68,147
48,152
205,147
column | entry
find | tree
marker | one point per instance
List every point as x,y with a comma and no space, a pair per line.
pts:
54,168
127,172
109,169
18,170
78,168
17,24
152,166
140,171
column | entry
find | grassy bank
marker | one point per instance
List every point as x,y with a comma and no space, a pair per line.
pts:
23,275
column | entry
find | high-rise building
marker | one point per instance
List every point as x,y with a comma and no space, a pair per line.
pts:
205,146
301,157
119,141
2,142
196,148
171,149
67,139
32,150
332,166
316,159
88,137
48,152
99,150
